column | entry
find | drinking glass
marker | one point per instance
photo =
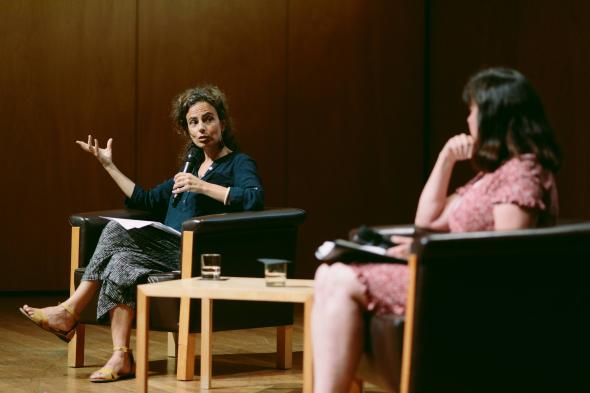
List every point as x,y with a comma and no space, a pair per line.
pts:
210,266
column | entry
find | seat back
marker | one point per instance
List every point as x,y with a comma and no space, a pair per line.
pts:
501,312
241,239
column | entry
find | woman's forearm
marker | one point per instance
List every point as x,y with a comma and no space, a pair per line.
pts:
215,191
433,199
125,184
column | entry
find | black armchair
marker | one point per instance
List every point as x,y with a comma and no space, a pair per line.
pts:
490,312
241,238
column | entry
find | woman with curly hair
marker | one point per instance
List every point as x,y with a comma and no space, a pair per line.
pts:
223,180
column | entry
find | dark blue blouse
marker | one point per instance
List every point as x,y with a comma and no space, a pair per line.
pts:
235,170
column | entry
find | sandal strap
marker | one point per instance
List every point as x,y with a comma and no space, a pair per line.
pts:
108,371
121,348
70,310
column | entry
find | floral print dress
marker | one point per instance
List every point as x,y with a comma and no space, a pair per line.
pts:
521,181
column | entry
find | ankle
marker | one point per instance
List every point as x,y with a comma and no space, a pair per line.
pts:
70,309
119,354
121,351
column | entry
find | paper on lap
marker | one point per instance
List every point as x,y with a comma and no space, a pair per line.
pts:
130,224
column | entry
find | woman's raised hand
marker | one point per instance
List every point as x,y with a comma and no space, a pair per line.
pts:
402,247
459,147
104,156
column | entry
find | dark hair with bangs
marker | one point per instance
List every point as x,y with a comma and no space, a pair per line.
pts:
215,97
511,120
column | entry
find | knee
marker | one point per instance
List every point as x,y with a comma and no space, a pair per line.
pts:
117,259
336,281
117,267
112,227
320,274
111,224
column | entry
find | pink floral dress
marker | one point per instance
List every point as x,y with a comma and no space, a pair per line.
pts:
521,181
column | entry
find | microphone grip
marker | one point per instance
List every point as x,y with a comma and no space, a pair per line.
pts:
177,197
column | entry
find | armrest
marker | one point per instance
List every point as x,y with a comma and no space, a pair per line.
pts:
91,225
390,230
399,230
269,218
94,217
498,243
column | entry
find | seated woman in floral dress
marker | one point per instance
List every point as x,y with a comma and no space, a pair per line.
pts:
512,145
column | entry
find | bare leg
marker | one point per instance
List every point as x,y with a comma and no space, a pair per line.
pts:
121,322
57,317
337,327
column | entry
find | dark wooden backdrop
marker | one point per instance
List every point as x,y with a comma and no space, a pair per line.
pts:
548,42
67,67
344,104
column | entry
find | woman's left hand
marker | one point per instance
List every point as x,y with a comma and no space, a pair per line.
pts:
184,182
401,250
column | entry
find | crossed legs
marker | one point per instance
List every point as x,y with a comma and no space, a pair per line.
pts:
121,321
337,327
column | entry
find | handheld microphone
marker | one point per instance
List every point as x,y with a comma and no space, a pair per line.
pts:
189,165
366,235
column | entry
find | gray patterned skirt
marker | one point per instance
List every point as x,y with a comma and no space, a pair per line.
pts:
124,258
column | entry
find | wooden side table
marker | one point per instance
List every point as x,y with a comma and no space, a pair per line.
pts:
234,288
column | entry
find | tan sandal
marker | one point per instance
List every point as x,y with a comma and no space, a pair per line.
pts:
110,375
40,319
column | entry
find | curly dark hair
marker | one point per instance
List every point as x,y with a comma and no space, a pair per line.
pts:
215,97
511,120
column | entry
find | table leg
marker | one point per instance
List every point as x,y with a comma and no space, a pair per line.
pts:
285,347
206,336
307,349
185,365
142,333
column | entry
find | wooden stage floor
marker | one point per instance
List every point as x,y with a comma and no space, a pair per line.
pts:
32,360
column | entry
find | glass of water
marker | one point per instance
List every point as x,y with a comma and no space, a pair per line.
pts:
275,271
210,266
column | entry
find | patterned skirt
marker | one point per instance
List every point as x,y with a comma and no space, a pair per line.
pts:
124,258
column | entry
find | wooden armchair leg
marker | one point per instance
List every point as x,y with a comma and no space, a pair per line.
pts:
76,347
285,347
356,386
185,368
172,344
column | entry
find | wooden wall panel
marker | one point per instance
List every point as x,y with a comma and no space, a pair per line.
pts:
67,67
328,97
239,45
545,40
355,97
